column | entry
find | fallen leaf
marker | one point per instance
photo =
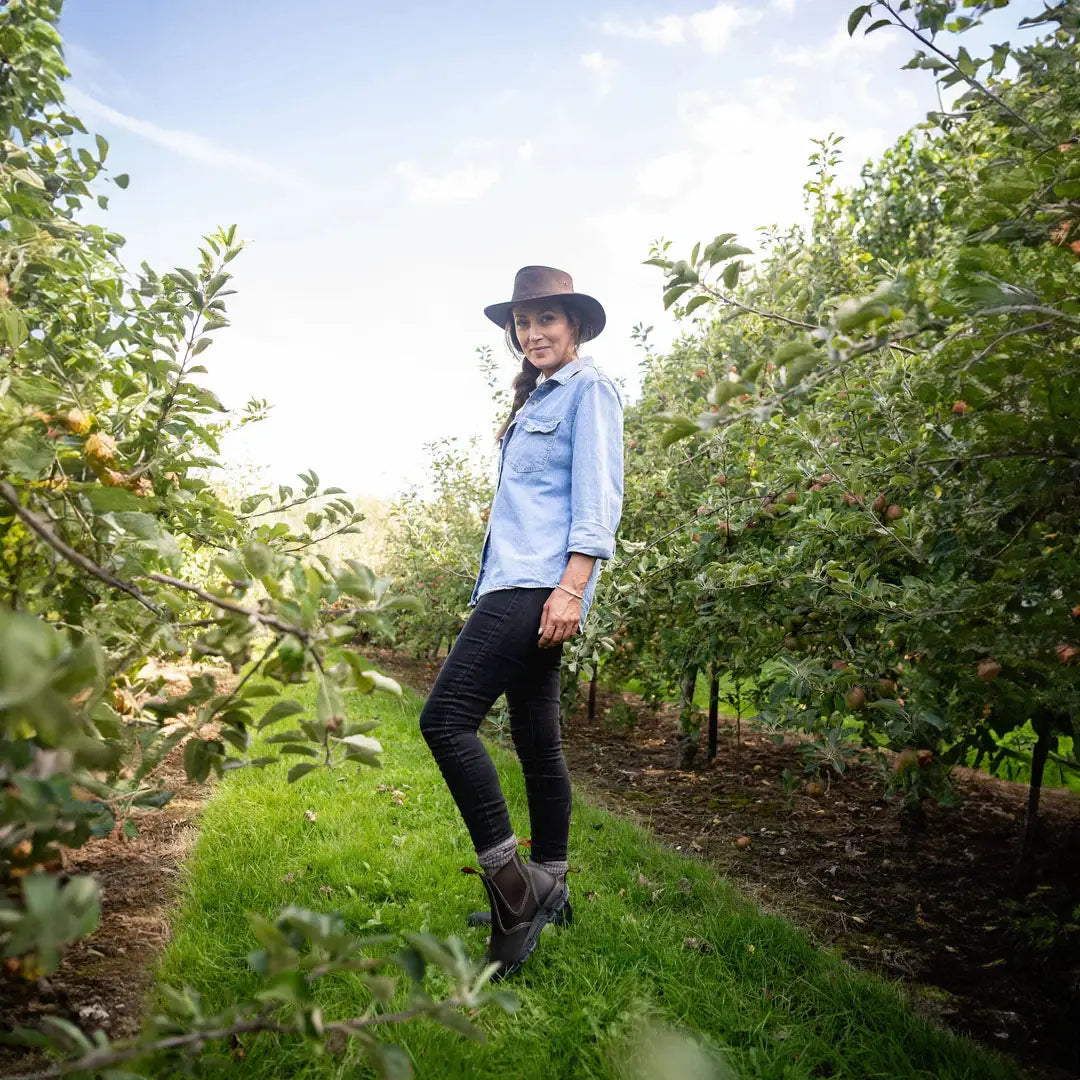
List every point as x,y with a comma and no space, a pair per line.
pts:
698,944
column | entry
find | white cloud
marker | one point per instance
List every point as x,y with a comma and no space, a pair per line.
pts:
712,30
602,67
735,163
526,151
840,46
459,185
786,7
665,175
188,144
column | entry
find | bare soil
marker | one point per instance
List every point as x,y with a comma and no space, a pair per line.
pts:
103,980
924,899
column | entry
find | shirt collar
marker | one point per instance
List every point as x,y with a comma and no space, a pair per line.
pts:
567,371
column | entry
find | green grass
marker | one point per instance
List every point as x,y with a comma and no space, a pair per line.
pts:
763,1001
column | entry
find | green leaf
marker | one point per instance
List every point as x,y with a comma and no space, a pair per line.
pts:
696,302
722,252
121,180
105,500
12,325
673,294
679,429
154,799
299,770
384,683
391,1062
724,391
857,312
790,350
278,712
731,274
797,369
857,17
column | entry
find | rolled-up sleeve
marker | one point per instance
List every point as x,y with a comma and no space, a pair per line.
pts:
596,480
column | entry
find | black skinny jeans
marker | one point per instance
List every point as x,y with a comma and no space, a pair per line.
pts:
497,652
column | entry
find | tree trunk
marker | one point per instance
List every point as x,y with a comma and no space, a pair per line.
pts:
592,692
689,736
1043,723
714,709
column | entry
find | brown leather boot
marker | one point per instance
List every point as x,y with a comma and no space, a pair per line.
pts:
563,917
524,899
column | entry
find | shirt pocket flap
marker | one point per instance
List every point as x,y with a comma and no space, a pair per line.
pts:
545,425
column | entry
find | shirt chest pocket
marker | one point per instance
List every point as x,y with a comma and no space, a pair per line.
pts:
531,446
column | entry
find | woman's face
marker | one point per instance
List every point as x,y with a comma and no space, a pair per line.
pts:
545,334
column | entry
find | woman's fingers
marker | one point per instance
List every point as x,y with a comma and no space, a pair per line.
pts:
558,622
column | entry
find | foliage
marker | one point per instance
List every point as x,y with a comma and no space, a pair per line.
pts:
108,443
878,509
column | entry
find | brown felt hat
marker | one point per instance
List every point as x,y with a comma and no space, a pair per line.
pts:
547,283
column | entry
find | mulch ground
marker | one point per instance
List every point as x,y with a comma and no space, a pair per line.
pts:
927,901
103,980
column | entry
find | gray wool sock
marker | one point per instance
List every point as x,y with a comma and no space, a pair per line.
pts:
555,869
494,858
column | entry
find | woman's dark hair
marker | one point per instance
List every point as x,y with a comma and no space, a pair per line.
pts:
525,381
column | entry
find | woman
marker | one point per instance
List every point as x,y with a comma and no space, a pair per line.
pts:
556,508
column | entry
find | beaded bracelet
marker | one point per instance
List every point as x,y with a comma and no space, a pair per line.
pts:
580,596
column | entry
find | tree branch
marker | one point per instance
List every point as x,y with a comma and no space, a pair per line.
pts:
109,1057
231,605
42,530
970,80
731,302
1001,337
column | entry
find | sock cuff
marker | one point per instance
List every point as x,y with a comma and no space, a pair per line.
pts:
494,858
556,869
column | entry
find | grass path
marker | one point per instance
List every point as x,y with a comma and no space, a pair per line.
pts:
761,999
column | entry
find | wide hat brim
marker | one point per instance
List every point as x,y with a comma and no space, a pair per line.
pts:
529,287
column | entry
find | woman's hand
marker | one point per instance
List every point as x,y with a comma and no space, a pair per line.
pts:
560,619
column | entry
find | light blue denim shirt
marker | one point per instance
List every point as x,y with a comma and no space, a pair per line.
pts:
560,484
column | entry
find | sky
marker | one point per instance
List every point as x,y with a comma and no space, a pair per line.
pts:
393,165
